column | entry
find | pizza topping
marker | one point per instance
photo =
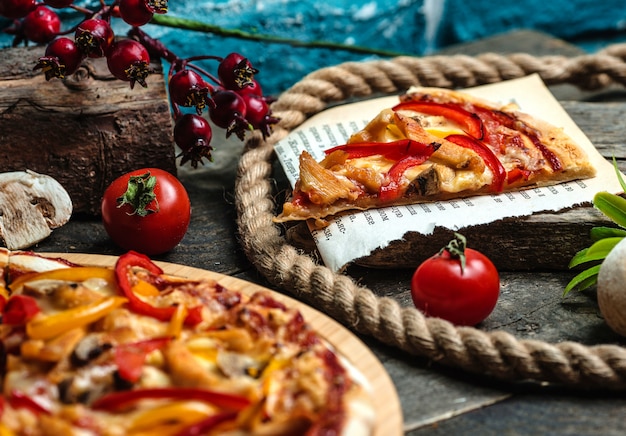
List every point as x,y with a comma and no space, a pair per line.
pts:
469,122
126,280
130,357
20,400
322,186
395,180
89,348
49,326
19,309
117,401
491,160
394,150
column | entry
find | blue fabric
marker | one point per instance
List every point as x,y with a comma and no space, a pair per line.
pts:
414,27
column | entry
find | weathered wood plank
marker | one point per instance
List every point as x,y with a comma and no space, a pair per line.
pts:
84,131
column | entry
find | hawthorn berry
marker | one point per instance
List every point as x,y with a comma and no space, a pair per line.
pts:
187,88
229,113
235,71
17,8
192,133
94,37
258,113
253,87
61,58
129,60
135,12
41,25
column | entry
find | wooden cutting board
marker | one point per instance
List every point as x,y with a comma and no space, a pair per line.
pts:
389,413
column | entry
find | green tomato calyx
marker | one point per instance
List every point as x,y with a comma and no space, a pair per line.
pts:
140,194
456,249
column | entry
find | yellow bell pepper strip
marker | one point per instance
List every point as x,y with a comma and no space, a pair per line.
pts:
130,357
469,122
6,431
123,271
175,328
73,274
207,424
488,156
49,326
4,296
117,401
176,415
19,309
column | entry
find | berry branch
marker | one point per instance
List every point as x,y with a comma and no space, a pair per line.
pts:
233,98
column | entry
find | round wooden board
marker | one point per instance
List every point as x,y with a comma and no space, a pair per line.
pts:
386,401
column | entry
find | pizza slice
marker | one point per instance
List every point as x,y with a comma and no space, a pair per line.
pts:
435,144
91,350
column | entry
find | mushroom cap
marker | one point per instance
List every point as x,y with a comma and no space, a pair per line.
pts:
31,205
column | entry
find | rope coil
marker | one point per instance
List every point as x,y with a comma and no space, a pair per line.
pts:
497,353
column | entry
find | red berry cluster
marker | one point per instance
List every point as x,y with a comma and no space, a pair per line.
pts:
233,98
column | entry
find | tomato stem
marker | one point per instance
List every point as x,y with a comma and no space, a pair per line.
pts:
456,249
139,194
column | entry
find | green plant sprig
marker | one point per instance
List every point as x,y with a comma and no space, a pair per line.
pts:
604,238
198,26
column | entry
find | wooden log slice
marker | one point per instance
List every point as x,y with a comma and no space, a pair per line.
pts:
85,130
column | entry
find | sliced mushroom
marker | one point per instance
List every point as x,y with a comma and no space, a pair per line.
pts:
89,348
31,205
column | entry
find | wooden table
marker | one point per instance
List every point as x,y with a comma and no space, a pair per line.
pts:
435,400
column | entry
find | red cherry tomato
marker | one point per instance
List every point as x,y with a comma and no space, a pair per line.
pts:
459,284
146,210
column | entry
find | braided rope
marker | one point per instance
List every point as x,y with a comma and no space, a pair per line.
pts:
497,353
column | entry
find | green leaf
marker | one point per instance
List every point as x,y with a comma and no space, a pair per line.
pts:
598,251
602,232
583,280
611,205
583,256
603,246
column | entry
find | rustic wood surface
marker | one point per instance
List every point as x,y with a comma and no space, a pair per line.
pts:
83,131
436,400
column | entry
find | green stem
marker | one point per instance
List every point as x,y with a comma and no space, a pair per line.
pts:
197,26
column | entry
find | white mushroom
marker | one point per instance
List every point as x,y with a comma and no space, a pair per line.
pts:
31,205
612,288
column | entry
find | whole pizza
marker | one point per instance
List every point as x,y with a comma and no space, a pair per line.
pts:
130,350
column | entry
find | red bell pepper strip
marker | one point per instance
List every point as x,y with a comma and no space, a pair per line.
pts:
469,122
123,268
488,156
20,400
121,400
19,309
130,358
207,424
516,174
507,120
392,189
394,150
